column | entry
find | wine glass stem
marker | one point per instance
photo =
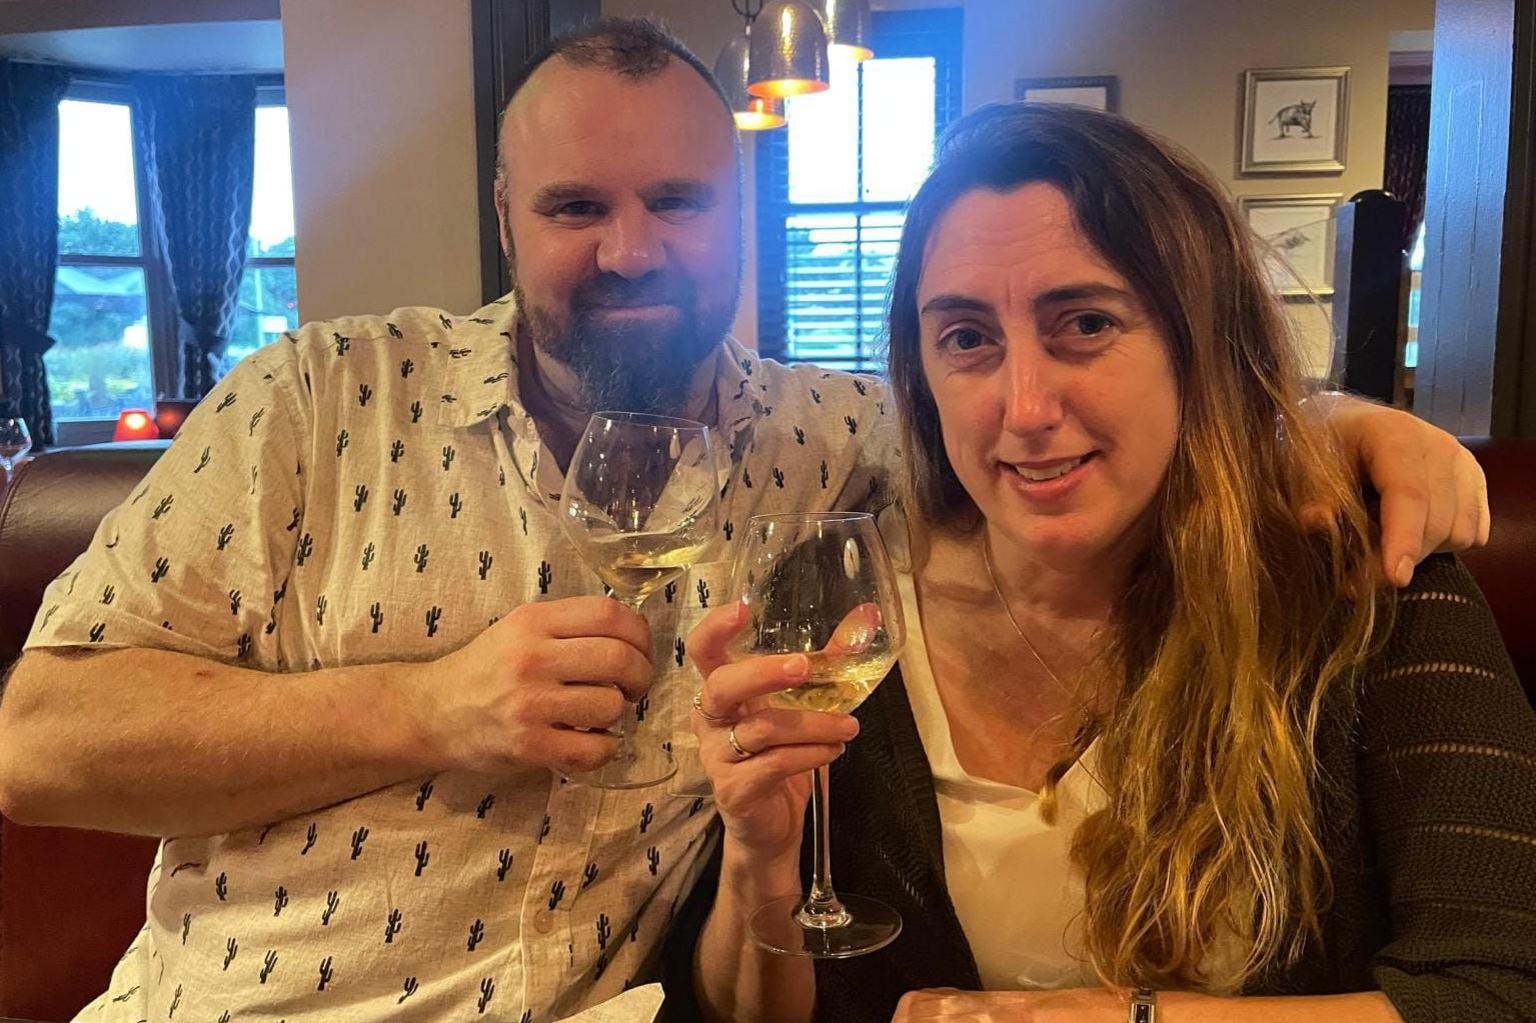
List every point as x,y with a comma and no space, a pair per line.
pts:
822,908
629,720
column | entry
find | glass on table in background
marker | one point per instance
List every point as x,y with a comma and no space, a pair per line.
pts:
639,503
821,585
15,441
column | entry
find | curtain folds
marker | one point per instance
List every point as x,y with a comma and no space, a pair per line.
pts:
1408,151
196,136
29,236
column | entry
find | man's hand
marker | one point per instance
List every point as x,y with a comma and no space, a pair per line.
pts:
1433,494
540,687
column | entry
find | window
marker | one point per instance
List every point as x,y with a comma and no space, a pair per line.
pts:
268,289
101,361
113,318
834,185
1415,299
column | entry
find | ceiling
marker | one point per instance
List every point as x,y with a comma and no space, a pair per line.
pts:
243,46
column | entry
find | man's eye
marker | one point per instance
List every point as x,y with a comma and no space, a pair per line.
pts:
578,208
674,204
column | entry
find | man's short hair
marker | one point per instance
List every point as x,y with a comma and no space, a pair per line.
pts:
632,48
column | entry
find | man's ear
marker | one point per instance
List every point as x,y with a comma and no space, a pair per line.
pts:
504,230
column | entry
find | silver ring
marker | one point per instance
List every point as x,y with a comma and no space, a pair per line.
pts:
698,705
741,751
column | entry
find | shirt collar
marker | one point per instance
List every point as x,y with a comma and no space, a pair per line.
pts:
480,377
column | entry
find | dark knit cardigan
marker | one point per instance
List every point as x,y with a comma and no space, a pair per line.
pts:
1428,823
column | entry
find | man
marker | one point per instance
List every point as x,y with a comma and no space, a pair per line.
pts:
337,646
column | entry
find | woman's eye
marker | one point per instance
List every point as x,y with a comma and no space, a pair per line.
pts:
1090,324
965,339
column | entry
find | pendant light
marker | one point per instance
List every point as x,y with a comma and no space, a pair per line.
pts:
848,24
788,51
732,71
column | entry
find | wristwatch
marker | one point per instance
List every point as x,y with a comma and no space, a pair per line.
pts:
1143,1006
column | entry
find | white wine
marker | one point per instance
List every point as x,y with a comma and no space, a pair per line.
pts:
838,683
637,564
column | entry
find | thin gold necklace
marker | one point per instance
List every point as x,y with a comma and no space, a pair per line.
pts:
986,557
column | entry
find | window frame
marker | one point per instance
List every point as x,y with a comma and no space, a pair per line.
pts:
97,86
159,306
934,33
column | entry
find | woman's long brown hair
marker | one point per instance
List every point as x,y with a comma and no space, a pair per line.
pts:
1243,619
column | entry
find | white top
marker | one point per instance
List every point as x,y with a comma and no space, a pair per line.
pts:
1009,873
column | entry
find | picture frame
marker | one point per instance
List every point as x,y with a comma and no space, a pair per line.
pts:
1295,120
1097,92
1299,230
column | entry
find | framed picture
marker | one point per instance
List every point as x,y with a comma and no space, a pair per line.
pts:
1097,92
1295,120
1299,232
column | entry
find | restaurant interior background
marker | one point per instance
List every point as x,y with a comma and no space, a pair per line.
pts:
371,190
383,105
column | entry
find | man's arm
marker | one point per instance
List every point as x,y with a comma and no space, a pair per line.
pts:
158,743
1433,493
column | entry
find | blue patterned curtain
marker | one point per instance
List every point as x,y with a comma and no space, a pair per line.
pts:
196,138
29,235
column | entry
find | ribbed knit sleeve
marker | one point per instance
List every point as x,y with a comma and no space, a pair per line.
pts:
1448,787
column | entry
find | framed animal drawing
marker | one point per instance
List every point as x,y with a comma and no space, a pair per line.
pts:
1298,236
1097,92
1295,120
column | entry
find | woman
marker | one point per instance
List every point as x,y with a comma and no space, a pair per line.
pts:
1155,729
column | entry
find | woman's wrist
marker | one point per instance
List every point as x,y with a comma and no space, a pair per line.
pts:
752,878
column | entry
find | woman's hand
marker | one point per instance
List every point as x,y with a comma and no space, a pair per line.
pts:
761,797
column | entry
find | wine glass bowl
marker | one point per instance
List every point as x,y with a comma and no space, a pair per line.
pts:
640,505
15,442
821,585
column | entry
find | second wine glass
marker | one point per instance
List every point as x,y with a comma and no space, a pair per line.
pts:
821,585
639,504
15,442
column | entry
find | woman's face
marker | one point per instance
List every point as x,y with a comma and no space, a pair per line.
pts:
1054,387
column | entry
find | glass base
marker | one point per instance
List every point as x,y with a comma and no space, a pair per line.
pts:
871,925
633,767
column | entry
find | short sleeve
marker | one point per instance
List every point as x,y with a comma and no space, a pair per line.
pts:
196,559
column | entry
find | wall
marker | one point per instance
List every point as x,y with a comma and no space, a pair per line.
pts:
1180,65
705,26
380,99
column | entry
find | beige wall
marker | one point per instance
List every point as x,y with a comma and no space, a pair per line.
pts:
380,99
1180,65
705,26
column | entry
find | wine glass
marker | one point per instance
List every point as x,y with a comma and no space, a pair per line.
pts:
821,585
15,442
639,503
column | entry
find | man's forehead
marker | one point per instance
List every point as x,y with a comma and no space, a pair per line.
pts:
575,123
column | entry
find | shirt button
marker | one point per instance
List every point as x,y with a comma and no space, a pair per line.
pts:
543,921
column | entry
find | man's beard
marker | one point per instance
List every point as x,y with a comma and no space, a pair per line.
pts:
626,367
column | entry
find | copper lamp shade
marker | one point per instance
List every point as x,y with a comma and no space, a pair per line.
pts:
848,25
751,113
761,115
788,51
